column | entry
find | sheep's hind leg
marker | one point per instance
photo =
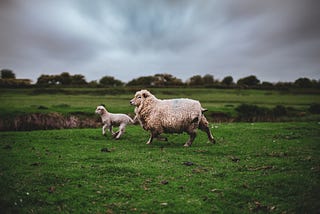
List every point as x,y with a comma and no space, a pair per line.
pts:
204,126
191,139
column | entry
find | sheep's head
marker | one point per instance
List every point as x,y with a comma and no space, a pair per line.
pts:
100,110
139,97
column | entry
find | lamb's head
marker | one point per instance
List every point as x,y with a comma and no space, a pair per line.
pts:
100,110
140,97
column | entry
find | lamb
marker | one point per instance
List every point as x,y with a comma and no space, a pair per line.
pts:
169,116
109,120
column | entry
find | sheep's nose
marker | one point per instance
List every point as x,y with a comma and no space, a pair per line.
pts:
131,102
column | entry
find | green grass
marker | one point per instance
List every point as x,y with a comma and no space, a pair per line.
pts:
20,101
260,167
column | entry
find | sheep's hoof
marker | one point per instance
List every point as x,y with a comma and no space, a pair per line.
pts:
114,135
213,141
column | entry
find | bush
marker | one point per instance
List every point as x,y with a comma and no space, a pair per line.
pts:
314,108
279,111
252,113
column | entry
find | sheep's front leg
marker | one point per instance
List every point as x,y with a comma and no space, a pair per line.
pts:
191,138
135,119
150,139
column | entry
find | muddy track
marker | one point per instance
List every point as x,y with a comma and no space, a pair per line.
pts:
41,121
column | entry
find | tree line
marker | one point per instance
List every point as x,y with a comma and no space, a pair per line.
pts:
8,79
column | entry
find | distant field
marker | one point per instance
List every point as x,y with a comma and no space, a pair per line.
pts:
66,100
253,168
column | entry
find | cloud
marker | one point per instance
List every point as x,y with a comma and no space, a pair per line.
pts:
275,40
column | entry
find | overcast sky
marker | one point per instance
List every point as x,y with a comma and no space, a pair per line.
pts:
276,40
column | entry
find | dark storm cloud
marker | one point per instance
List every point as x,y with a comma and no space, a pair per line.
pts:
275,40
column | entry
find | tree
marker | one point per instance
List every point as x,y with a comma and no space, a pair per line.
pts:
208,79
248,81
228,80
7,74
142,81
303,83
45,80
64,78
195,80
78,79
110,81
267,85
166,80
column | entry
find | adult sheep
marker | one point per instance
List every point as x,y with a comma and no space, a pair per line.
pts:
170,116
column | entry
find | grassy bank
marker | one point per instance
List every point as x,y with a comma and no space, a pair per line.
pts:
254,167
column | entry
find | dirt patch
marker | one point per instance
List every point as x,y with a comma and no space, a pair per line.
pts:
42,121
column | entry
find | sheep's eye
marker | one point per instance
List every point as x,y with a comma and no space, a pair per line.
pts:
139,97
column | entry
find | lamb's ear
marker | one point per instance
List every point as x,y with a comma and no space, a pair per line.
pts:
145,94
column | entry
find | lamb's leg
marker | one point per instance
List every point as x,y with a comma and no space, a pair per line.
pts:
192,135
122,128
204,126
114,134
104,127
110,130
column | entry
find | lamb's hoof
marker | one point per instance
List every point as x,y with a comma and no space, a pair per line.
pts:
187,145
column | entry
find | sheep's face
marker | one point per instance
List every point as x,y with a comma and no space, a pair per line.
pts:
100,110
140,97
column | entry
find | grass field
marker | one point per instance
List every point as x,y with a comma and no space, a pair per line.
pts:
254,167
19,101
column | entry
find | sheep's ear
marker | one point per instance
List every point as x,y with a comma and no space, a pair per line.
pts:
203,110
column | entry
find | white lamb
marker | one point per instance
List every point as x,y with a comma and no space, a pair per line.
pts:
109,120
170,116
